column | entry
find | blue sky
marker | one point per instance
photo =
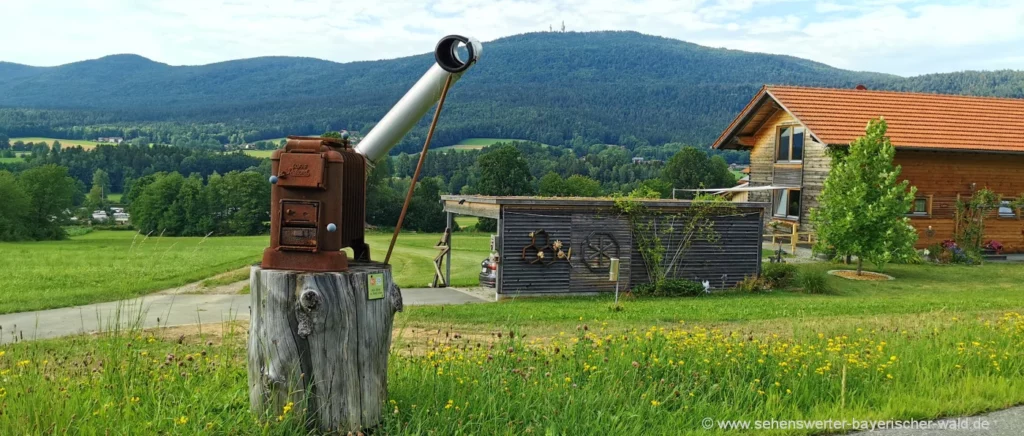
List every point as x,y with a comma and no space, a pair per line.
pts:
903,37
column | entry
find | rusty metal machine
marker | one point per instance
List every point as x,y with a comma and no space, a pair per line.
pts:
318,198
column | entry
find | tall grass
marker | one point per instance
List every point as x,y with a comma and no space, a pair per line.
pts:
666,381
593,380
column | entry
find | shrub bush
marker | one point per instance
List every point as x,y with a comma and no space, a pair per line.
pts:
751,285
813,281
669,288
950,252
778,275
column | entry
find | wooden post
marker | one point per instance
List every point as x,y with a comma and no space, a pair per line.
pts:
321,341
794,238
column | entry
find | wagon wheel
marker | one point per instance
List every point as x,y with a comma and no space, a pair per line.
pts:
598,251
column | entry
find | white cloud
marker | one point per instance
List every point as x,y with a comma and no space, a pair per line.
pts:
901,36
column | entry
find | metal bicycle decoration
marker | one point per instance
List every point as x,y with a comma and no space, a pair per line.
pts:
598,250
539,247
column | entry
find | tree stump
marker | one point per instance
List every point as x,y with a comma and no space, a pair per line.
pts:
321,341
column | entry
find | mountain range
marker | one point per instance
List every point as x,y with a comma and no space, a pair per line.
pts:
551,87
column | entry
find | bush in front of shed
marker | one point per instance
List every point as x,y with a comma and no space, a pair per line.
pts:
752,285
669,288
778,275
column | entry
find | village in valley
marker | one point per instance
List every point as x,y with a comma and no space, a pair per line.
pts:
649,225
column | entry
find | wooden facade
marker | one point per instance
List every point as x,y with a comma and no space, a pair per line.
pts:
941,172
942,176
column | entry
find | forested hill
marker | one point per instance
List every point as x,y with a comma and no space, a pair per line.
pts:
607,87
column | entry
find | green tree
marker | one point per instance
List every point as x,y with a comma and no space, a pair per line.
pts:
192,202
383,200
863,206
425,211
5,142
51,192
14,209
691,168
101,179
504,171
551,185
582,186
247,202
152,209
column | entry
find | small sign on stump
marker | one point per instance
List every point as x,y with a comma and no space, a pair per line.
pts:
321,341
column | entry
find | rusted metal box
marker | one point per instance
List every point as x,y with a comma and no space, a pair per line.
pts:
318,206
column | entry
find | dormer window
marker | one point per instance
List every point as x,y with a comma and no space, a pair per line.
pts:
790,144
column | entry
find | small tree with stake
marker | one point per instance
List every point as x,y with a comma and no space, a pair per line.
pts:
863,205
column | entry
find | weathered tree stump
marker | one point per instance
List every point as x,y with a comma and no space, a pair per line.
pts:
321,341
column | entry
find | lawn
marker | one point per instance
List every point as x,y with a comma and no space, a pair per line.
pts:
111,265
467,223
115,198
918,289
64,142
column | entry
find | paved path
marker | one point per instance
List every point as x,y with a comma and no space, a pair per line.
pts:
1009,422
167,310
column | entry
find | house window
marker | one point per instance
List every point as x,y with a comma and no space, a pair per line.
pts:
790,144
787,203
1006,209
920,207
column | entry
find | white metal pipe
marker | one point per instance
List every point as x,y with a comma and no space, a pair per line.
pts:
420,98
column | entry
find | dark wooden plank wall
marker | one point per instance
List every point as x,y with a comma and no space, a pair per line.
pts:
517,275
735,256
585,223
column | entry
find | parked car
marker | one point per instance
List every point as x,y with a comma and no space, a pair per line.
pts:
489,273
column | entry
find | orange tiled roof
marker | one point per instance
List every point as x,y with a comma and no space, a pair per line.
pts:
917,120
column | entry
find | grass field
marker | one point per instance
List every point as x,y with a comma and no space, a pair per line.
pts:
473,144
18,157
870,351
467,223
115,198
265,154
64,142
113,265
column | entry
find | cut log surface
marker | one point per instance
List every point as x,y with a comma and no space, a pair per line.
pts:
320,341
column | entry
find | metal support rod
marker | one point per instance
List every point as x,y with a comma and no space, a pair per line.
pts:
419,167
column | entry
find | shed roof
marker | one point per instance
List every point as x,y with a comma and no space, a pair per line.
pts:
489,206
916,120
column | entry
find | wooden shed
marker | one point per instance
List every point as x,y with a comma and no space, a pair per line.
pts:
590,231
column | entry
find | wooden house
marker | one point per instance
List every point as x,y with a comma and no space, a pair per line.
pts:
947,145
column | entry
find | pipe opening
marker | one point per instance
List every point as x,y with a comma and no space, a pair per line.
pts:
455,53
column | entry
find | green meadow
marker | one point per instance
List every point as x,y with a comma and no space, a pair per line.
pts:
113,265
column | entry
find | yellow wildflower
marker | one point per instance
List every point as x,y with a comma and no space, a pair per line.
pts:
182,420
655,403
